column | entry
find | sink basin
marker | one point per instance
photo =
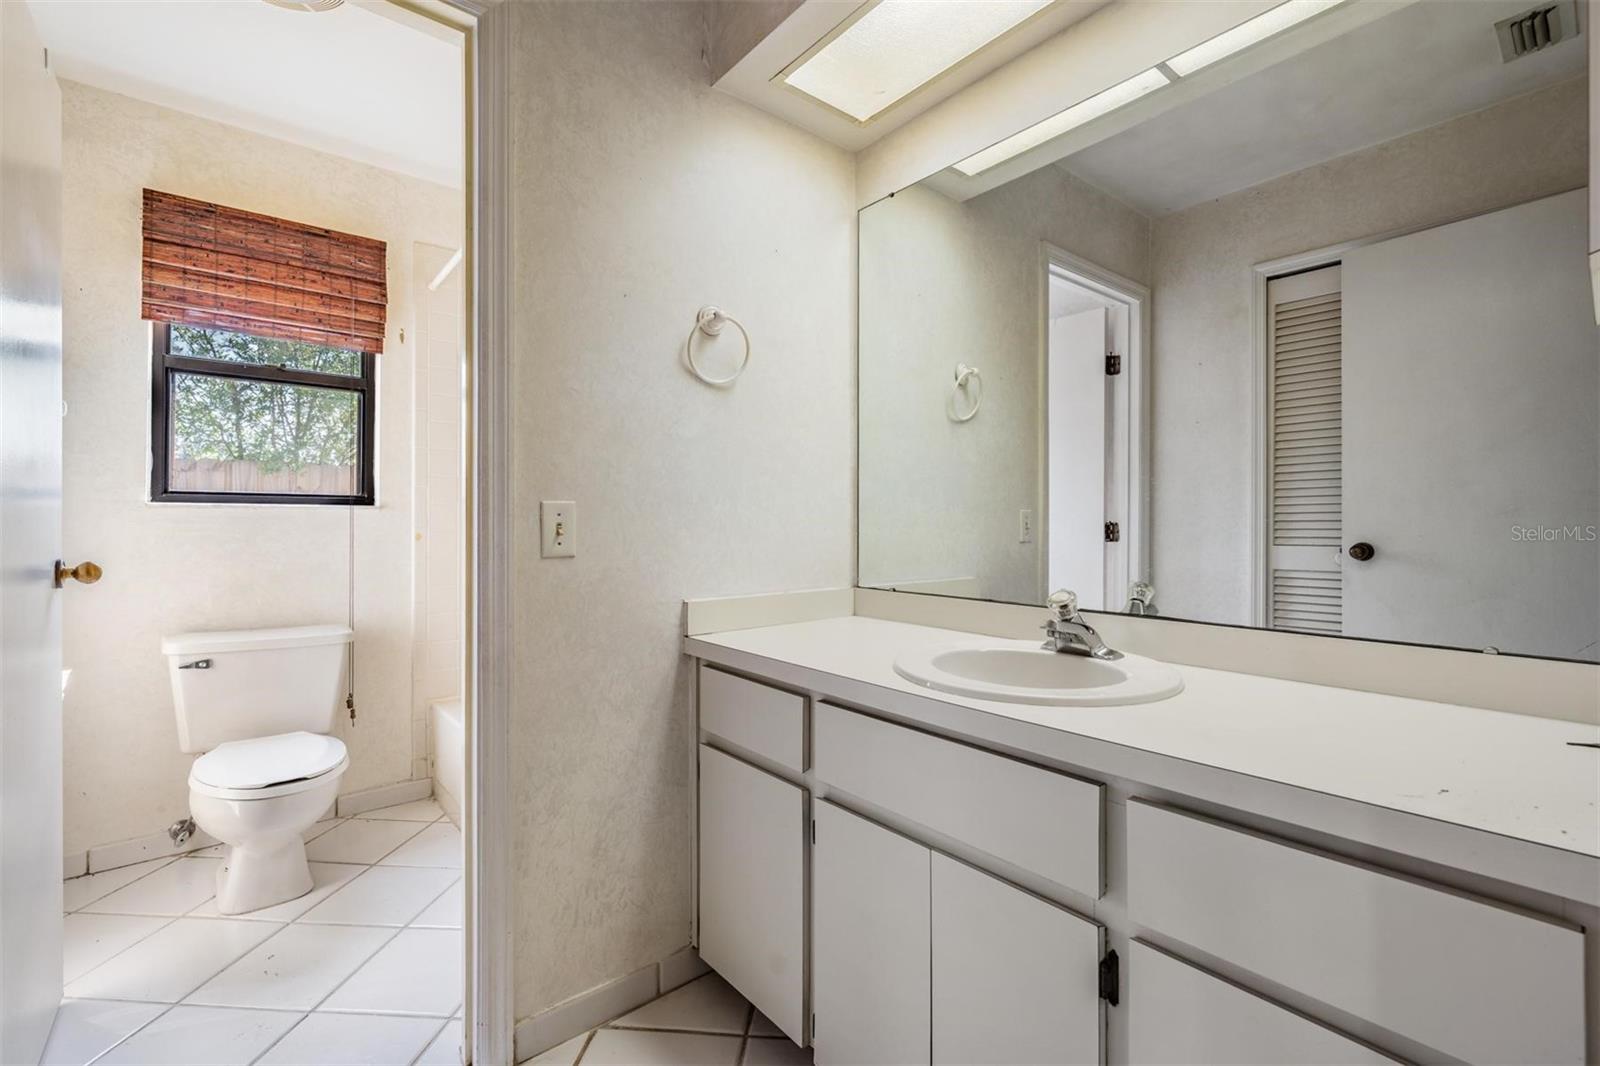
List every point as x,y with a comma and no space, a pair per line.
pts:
1020,671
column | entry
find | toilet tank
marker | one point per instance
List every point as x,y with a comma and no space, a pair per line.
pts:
245,683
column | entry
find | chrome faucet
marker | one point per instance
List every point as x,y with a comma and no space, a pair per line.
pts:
1068,633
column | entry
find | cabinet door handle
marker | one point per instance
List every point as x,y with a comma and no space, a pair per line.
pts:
1361,551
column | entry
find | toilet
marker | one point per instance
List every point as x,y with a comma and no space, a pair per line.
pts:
259,704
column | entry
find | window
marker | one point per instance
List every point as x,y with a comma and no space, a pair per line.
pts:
238,418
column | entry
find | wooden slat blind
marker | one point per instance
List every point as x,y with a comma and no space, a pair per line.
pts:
222,268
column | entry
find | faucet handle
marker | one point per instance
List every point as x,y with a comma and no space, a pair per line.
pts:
1064,602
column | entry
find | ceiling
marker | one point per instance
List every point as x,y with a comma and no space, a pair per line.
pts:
352,82
1425,64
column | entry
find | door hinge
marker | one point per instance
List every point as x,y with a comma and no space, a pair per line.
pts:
813,831
1113,532
813,1027
1113,364
1110,978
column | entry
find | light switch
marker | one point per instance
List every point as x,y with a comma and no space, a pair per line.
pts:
558,529
1024,526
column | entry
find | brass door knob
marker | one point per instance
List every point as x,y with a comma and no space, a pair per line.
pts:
86,573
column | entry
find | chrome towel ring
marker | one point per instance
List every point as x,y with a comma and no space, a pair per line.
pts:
969,382
710,321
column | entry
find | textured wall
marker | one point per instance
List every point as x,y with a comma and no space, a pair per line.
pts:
641,195
1525,148
175,567
943,283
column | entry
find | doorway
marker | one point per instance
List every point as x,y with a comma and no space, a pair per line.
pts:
1095,341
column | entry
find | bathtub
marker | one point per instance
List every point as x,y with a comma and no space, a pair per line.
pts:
449,733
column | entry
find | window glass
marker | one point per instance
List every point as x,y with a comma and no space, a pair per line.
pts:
197,343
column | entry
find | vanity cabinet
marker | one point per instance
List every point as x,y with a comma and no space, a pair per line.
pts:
752,885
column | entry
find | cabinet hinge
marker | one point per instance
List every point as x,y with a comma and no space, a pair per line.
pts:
1113,364
1110,978
1113,532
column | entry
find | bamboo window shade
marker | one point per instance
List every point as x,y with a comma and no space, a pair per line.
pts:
222,268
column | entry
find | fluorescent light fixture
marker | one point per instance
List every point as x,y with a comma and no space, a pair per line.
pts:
900,45
1100,103
1246,34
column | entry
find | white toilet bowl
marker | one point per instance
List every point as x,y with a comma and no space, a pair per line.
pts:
258,796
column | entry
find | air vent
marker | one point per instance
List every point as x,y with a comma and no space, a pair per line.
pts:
1537,29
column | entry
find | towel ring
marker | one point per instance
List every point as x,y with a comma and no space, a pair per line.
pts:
965,377
710,320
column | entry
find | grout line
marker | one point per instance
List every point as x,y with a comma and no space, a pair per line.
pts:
659,1029
428,1043
744,1042
360,965
136,943
584,1050
110,891
280,1038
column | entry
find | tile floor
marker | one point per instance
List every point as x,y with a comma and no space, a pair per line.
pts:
366,968
704,1023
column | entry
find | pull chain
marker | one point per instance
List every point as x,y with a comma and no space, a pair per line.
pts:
350,693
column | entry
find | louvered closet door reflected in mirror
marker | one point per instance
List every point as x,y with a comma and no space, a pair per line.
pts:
1305,483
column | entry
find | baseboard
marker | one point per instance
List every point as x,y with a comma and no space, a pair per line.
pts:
601,1004
157,845
74,864
370,799
448,803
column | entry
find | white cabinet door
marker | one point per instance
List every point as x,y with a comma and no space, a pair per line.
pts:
1180,1014
1015,979
869,949
752,886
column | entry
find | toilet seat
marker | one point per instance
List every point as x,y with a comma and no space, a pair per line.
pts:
266,767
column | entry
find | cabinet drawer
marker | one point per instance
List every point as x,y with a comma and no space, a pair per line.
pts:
1180,1013
759,718
752,886
1456,973
1045,822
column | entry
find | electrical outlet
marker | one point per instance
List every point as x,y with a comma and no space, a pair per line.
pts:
558,529
1024,526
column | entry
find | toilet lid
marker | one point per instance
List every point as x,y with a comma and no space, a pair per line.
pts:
266,761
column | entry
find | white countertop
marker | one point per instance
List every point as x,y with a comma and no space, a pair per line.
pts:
1505,774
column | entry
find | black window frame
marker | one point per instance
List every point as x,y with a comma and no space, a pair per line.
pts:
164,363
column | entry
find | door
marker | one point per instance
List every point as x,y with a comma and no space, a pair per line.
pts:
1015,979
752,886
30,539
870,967
1305,425
1471,392
1079,472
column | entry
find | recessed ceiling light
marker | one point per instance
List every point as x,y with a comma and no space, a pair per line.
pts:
1100,103
900,45
1246,34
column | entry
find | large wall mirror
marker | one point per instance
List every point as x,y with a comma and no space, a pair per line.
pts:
1302,337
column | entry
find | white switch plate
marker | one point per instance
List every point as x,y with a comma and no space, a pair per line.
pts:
1024,526
558,529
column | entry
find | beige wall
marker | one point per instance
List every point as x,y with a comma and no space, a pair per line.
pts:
641,195
943,283
1520,150
171,567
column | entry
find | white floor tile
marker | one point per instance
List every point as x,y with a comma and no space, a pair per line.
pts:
561,1055
352,1040
177,888
766,1051
171,962
326,879
201,1036
418,972
446,1047
437,845
90,939
295,969
87,1027
761,1025
318,828
361,840
425,810
707,1004
445,912
383,895
79,892
644,1047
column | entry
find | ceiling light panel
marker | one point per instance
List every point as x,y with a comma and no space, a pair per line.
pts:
1078,114
898,46
1248,33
